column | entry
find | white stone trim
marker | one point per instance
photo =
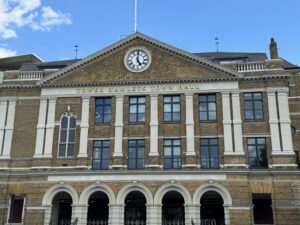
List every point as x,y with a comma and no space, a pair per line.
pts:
50,128
84,127
122,194
237,123
227,129
88,191
285,122
190,142
9,128
154,125
137,177
40,132
197,87
3,113
119,126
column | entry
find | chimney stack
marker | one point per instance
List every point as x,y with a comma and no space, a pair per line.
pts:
273,49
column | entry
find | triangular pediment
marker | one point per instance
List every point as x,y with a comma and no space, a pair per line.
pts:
168,63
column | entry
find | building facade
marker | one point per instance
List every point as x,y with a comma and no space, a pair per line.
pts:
144,133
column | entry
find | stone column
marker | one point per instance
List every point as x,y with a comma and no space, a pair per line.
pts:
154,125
79,213
228,148
154,214
47,214
50,128
9,128
190,143
237,124
40,132
273,120
84,127
119,126
3,109
192,213
285,122
117,217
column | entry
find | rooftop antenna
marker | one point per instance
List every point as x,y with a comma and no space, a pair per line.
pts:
76,50
217,39
135,15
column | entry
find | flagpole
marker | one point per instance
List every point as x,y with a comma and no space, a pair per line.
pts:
135,15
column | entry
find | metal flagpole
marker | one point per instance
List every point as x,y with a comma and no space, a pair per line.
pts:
135,15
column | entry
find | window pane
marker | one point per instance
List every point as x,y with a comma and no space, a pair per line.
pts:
141,117
249,115
258,114
176,151
140,163
62,150
258,105
63,136
140,153
133,109
167,108
107,118
96,154
167,117
141,109
167,99
252,151
107,109
261,141
99,101
96,164
105,153
72,122
107,101
132,117
131,152
176,142
204,141
97,143
202,106
256,95
167,163
177,163
167,142
211,98
167,151
64,122
203,116
202,98
131,163
71,135
176,108
214,141
176,98
142,100
176,116
211,106
132,100
105,164
247,96
70,150
248,105
212,115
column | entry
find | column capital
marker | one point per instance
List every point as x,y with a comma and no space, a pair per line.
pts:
189,94
119,96
85,98
225,93
154,95
235,92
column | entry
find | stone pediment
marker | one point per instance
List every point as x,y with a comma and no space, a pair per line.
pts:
168,63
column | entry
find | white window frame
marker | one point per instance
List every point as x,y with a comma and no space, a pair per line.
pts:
9,209
69,115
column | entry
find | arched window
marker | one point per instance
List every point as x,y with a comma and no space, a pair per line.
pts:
67,135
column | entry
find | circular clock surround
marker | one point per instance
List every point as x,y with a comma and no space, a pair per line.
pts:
137,59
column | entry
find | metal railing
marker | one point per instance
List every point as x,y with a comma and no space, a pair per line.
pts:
134,222
97,222
173,222
63,222
212,222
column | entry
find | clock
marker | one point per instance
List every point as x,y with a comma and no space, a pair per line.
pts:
137,59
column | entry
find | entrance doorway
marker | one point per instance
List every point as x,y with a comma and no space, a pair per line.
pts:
61,209
135,209
173,209
212,210
98,209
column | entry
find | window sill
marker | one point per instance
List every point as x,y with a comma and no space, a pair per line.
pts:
254,120
102,124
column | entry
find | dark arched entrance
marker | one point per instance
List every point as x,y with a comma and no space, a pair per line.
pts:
173,209
212,210
135,209
61,209
98,209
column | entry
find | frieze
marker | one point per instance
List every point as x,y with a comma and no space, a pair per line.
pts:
131,89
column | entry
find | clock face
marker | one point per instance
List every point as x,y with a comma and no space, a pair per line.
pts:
137,59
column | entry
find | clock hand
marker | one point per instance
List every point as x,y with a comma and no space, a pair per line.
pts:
138,58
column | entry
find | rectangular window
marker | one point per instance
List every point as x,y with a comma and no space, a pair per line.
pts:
262,209
207,107
209,153
136,154
16,209
103,110
253,106
172,153
257,153
172,108
101,155
137,108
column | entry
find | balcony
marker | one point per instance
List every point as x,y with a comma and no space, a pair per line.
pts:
31,75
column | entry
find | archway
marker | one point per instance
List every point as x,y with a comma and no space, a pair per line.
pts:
98,210
173,209
135,209
61,209
212,209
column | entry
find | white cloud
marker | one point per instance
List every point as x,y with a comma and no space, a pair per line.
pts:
4,52
19,13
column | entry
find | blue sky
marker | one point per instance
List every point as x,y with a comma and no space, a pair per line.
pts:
51,28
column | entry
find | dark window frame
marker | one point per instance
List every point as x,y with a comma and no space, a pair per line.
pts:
172,112
257,164
207,111
103,115
137,113
13,218
67,130
253,109
135,144
211,160
173,158
102,147
262,209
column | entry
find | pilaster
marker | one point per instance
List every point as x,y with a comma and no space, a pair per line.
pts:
3,109
84,127
154,125
119,126
190,142
227,123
